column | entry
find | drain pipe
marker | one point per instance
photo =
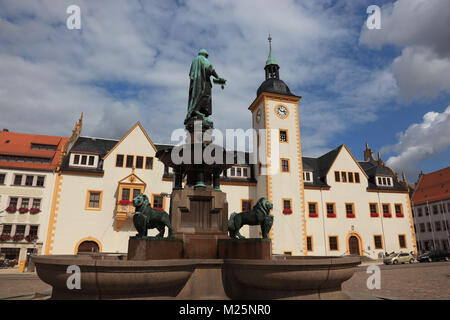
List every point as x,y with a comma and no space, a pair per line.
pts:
323,224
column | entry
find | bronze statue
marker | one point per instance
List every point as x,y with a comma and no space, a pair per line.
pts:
199,105
145,217
259,215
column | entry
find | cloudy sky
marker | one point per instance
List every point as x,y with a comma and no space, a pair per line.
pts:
130,61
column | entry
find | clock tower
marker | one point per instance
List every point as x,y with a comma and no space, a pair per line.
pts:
279,171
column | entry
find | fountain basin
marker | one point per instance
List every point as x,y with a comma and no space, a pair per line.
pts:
113,277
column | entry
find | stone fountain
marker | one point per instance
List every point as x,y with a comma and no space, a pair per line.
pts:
198,260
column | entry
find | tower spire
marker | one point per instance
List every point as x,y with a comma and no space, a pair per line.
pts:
272,66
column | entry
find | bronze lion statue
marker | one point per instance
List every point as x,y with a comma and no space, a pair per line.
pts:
145,217
259,215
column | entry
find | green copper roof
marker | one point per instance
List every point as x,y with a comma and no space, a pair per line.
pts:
271,59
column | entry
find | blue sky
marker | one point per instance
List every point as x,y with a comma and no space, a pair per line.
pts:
130,61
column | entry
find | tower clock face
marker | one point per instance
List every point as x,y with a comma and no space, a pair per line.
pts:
282,111
258,116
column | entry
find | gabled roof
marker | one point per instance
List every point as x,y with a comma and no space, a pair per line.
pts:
19,144
138,124
433,186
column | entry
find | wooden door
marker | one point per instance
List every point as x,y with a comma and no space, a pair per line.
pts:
353,245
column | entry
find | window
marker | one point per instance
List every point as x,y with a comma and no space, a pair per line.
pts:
245,172
94,200
287,206
13,202
344,176
333,243
427,212
130,161
284,165
158,202
402,241
33,231
83,160
29,180
149,163
25,203
429,227
17,179
350,210
40,181
125,194
232,172
246,205
283,136
41,146
398,210
36,204
309,243
422,227
435,209
378,242
312,209
76,159
337,176
307,176
139,162
437,226
2,178
20,229
136,192
419,212
7,229
238,172
386,210
91,160
119,160
331,210
356,177
350,177
384,181
373,208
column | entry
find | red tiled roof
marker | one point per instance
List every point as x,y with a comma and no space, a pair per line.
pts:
19,144
433,186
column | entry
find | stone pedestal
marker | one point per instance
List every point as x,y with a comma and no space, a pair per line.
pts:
244,249
151,248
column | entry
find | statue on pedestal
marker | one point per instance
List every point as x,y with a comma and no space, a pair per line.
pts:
200,104
145,217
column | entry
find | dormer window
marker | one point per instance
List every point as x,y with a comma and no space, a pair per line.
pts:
307,176
240,172
83,160
384,181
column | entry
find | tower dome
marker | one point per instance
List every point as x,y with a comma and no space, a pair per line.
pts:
273,83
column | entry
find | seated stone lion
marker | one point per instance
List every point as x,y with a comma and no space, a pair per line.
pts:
259,215
145,217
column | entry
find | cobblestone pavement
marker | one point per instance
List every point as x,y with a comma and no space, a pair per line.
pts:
15,284
417,281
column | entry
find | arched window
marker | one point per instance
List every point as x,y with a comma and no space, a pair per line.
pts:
88,246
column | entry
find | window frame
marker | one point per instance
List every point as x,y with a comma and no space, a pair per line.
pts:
400,243
337,174
375,214
389,214
337,242
350,215
401,214
316,214
312,243
117,158
242,204
286,211
132,161
331,215
136,162
287,135
375,243
163,201
288,165
151,162
88,200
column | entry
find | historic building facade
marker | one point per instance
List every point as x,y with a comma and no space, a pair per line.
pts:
330,205
431,205
28,165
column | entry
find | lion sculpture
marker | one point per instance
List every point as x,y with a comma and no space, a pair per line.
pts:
259,215
145,217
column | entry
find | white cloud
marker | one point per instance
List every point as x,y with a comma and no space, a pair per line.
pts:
420,141
421,28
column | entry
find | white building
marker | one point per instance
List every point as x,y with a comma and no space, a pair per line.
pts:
28,165
431,204
330,205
